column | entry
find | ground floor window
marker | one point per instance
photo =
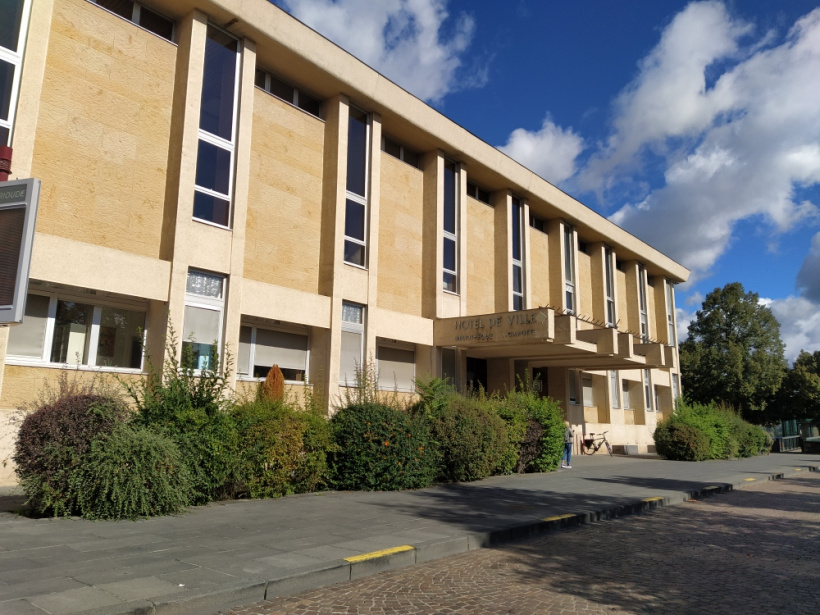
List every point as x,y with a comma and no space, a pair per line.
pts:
397,368
352,350
448,366
613,389
587,390
573,387
260,349
202,325
66,330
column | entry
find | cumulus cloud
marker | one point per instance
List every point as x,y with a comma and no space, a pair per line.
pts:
403,39
550,151
737,150
799,321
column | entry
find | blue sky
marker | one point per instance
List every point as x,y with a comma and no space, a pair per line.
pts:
694,125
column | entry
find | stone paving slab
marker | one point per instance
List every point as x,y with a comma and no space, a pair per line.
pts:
229,553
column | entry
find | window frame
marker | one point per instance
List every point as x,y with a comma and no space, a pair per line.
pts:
647,391
404,151
570,298
451,235
477,192
298,92
642,303
356,328
254,327
208,303
609,287
360,199
670,312
136,14
518,263
97,304
614,389
393,345
15,60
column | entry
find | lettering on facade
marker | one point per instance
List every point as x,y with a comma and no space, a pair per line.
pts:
506,327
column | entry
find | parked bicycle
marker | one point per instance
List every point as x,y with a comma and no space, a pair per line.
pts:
592,443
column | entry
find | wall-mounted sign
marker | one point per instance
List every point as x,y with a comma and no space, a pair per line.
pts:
503,328
18,214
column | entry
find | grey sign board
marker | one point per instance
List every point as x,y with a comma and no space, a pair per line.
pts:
18,214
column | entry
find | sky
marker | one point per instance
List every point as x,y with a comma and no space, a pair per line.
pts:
693,125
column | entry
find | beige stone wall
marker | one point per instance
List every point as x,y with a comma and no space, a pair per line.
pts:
540,269
283,233
481,267
583,285
400,237
622,312
105,114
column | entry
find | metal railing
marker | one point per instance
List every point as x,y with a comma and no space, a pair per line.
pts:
788,443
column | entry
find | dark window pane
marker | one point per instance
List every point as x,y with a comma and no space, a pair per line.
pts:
483,196
450,198
412,158
356,152
311,105
449,254
281,89
449,280
12,224
517,285
218,84
354,253
4,136
72,327
211,208
6,80
11,12
392,148
213,167
516,230
123,8
354,220
155,23
518,302
259,81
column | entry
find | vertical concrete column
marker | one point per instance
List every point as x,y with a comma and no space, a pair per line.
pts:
433,223
242,169
597,257
502,208
182,156
373,209
526,258
557,248
633,302
461,205
4,342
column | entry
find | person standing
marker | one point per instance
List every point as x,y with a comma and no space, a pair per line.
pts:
569,436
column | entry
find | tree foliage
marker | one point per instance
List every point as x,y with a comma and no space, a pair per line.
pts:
799,395
734,354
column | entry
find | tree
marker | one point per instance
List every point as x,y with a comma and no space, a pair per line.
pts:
734,353
799,395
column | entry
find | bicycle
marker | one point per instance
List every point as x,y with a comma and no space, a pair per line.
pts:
593,443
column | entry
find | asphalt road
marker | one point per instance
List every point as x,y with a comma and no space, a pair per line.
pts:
755,550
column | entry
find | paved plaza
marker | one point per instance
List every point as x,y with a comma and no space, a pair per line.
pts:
228,554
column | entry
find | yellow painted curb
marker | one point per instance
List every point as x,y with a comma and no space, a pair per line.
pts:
655,499
749,480
798,469
559,517
375,554
711,488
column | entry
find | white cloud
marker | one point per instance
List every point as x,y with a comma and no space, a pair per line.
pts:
403,39
735,151
550,152
808,278
799,321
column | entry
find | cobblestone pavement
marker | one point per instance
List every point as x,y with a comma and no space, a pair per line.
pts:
755,550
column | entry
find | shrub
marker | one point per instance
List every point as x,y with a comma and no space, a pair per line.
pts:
381,448
283,450
131,473
681,442
53,442
471,436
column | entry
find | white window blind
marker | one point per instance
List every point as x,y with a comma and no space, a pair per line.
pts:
28,338
397,368
201,325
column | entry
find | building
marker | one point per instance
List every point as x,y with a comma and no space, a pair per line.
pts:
217,167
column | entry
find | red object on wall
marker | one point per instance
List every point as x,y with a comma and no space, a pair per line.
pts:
5,162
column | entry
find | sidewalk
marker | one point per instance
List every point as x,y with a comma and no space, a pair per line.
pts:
232,553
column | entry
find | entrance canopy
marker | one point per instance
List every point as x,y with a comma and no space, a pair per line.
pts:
552,340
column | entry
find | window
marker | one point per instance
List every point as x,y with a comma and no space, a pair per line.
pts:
202,325
140,15
62,329
642,303
477,193
401,152
358,137
448,366
675,389
627,401
537,223
517,255
670,312
587,390
14,19
609,282
352,343
287,92
450,253
614,390
217,125
260,349
647,390
573,386
397,368
569,268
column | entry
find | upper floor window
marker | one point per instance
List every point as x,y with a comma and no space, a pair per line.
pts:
287,92
539,224
358,141
13,25
569,269
609,284
517,255
217,127
63,329
478,193
450,251
670,312
140,15
401,152
642,303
